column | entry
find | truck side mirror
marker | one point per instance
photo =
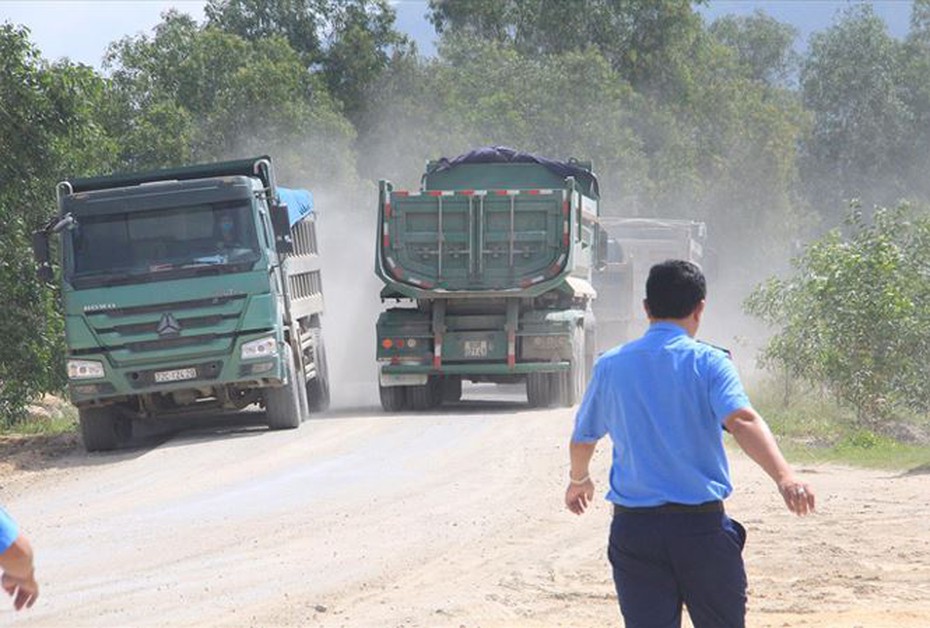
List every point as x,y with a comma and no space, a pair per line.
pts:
40,251
281,224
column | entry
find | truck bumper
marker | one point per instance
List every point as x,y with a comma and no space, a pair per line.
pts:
521,368
180,374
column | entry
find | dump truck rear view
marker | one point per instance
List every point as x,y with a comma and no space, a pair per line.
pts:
489,265
627,249
187,291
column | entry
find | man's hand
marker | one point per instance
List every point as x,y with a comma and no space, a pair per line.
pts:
578,496
24,591
798,496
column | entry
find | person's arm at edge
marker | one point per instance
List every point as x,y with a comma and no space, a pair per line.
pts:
580,491
16,563
754,437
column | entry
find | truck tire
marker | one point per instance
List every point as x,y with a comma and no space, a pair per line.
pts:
561,389
282,404
318,388
451,388
393,398
102,429
569,385
424,396
579,370
539,389
590,348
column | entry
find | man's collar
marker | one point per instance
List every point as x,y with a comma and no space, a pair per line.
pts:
667,326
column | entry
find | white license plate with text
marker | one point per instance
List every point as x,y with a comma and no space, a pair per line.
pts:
476,348
177,375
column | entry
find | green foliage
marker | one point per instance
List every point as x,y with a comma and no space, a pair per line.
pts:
480,93
47,126
916,96
811,427
855,317
350,41
223,96
853,83
645,41
763,46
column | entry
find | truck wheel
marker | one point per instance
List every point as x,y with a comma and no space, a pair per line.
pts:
579,370
282,404
538,389
318,387
451,388
102,429
569,385
590,348
393,398
423,396
561,388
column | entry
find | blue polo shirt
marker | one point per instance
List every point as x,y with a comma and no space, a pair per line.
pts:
8,530
663,399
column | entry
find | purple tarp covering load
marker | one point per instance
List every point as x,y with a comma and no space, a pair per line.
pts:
504,154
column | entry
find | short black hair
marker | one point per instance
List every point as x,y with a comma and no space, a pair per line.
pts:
674,288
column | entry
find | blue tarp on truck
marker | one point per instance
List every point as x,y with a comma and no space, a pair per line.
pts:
299,203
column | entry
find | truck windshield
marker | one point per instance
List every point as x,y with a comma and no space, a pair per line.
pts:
163,244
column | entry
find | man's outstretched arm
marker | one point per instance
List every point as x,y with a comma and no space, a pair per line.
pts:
754,437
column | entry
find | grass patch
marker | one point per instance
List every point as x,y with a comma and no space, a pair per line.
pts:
813,428
48,417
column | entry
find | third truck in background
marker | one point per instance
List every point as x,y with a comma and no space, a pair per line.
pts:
627,249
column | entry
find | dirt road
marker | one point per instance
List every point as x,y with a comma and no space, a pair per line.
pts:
445,519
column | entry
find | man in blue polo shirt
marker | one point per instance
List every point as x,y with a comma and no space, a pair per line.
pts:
16,564
665,400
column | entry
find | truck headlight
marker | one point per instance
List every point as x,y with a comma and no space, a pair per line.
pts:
261,348
85,369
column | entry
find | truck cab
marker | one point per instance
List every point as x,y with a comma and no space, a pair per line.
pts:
185,292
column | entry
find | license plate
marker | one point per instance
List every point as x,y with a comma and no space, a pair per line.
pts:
403,379
176,375
476,348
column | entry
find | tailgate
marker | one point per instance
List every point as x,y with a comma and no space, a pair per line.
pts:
475,239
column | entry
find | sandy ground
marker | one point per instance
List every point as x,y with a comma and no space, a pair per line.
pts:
445,519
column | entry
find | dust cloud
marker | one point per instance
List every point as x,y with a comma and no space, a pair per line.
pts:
346,236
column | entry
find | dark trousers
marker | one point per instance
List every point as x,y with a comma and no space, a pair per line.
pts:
663,559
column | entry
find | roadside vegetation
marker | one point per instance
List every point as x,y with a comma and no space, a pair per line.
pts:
812,427
722,122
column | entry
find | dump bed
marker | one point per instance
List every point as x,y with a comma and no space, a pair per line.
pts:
482,228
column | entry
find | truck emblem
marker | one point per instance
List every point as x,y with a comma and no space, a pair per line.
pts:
168,326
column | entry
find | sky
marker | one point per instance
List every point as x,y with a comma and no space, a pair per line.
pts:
82,29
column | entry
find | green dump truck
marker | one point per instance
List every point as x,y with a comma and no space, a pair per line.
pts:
489,264
188,291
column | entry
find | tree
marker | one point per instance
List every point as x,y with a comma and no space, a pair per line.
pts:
349,41
852,81
479,93
222,96
49,126
916,96
763,46
646,41
855,316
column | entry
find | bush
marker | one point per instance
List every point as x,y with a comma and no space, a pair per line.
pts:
855,317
